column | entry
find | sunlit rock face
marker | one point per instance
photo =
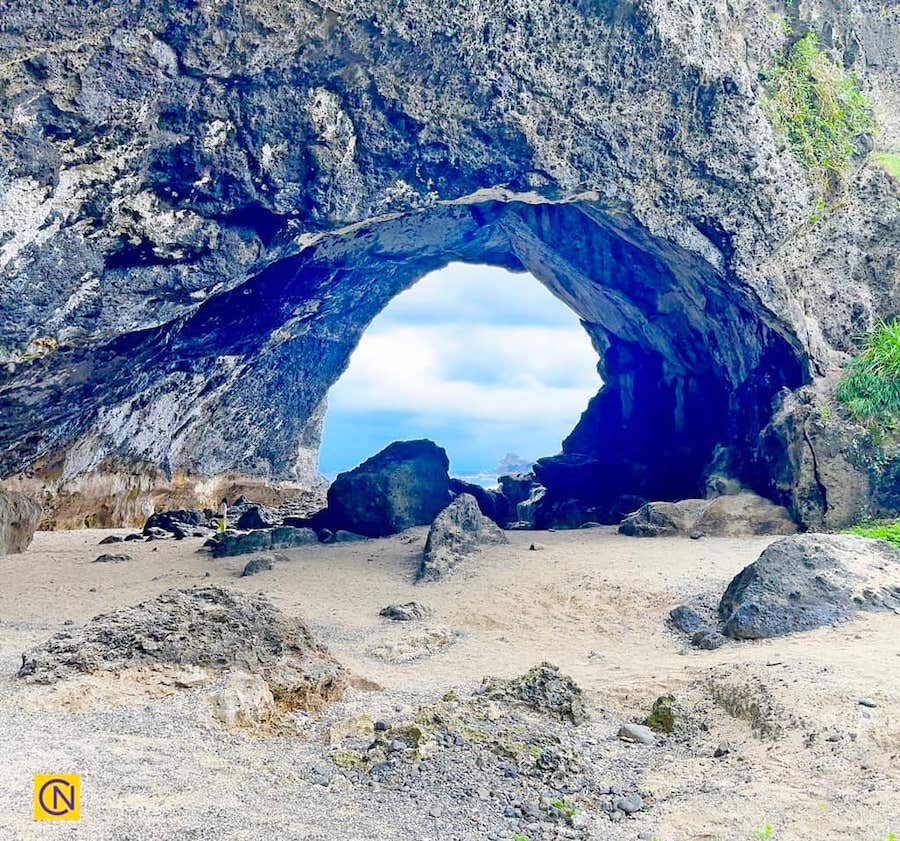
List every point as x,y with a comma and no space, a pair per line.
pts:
203,206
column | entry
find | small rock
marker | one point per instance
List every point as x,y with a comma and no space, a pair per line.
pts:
257,565
722,750
112,559
405,612
130,537
686,619
636,733
708,639
380,726
630,804
112,538
867,702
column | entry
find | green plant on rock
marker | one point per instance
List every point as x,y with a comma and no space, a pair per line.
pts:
819,109
870,387
564,807
888,161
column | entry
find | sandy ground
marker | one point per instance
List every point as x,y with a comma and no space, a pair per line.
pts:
810,761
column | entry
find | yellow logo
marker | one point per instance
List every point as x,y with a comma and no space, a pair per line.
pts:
57,797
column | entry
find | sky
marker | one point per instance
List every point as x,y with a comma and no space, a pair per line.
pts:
483,361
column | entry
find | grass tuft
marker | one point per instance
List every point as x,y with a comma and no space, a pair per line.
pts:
819,109
870,387
883,530
888,161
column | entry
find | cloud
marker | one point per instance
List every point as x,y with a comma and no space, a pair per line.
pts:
483,360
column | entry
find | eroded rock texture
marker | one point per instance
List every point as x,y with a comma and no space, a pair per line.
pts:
203,206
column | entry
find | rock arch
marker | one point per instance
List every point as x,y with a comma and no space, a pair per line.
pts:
201,207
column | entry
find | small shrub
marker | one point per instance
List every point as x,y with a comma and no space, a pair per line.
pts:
818,107
870,387
564,807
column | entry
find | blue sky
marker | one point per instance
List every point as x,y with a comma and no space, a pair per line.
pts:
481,360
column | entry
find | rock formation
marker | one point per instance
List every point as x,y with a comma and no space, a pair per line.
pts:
458,531
19,517
210,627
203,206
809,580
734,515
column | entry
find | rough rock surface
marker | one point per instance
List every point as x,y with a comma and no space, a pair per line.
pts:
407,612
19,518
201,210
209,627
404,485
735,515
493,503
458,531
281,537
809,580
543,688
258,517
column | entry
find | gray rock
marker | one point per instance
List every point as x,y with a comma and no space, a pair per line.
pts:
176,522
211,627
404,485
708,639
112,559
636,733
405,612
630,804
19,519
543,688
112,538
459,531
257,565
810,580
686,619
344,536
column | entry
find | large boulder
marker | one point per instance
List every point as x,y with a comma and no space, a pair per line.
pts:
180,522
460,530
737,515
809,580
19,518
209,627
404,485
281,537
258,517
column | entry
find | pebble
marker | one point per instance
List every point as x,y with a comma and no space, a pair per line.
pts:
867,702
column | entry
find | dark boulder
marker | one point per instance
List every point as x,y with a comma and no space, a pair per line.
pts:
516,487
404,485
19,519
258,517
281,537
180,522
344,536
810,580
112,538
493,503
458,531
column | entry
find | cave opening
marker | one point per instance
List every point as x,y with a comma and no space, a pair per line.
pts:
486,362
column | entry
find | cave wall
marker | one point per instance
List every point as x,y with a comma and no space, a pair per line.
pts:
203,206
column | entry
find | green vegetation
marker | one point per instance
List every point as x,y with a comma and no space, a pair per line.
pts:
520,837
888,161
819,109
870,387
765,832
564,807
662,716
888,530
